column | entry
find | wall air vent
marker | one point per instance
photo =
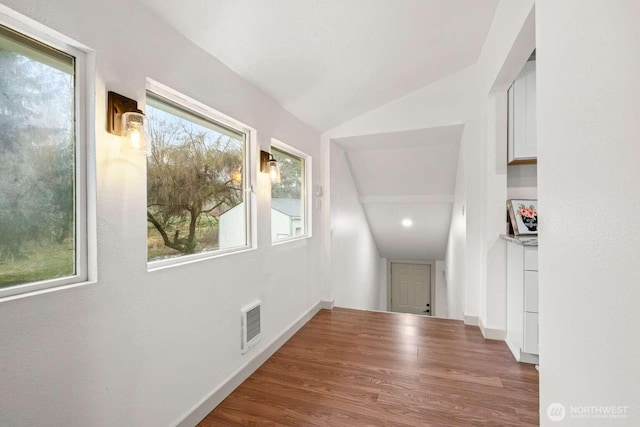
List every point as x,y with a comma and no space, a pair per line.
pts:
250,327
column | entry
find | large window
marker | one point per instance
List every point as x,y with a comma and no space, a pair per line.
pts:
42,195
289,212
197,203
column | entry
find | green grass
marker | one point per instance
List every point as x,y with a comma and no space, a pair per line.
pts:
41,262
206,238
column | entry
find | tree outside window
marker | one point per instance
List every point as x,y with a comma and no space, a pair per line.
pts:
37,162
195,175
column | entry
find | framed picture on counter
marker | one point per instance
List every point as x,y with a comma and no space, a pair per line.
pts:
523,215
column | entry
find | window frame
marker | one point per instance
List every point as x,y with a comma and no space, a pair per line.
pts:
202,110
84,200
308,197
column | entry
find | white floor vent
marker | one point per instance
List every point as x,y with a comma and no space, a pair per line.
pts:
250,330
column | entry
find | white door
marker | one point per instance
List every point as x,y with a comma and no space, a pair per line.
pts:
411,288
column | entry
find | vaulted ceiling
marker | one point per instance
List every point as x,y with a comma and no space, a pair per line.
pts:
327,61
333,62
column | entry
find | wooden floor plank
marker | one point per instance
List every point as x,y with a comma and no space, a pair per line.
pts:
352,368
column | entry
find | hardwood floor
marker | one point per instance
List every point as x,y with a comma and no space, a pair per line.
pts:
351,368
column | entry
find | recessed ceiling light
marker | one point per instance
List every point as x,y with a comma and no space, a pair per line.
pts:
407,222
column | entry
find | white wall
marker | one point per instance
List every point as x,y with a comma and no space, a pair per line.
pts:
473,209
455,258
522,182
493,301
383,304
588,110
137,347
441,305
355,261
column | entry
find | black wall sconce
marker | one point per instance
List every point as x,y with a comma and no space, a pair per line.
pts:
268,164
125,119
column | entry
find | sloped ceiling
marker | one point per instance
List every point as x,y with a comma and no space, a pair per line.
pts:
409,174
328,61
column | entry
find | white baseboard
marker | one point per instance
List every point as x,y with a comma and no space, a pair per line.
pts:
327,305
533,359
514,351
521,356
471,320
492,334
488,333
208,404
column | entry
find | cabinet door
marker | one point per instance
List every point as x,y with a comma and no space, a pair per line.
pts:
531,291
522,137
515,290
530,333
531,258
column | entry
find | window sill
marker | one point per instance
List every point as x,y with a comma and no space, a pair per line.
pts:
36,292
291,240
153,266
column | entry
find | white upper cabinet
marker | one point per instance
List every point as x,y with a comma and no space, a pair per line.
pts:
522,135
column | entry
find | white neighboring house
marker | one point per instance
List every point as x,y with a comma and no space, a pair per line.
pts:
286,221
286,218
231,228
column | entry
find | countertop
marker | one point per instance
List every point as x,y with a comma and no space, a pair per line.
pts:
521,240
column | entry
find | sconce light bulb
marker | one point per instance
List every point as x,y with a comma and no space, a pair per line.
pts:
134,125
135,139
274,172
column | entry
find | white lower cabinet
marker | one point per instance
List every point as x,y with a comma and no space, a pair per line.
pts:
522,302
530,341
531,291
